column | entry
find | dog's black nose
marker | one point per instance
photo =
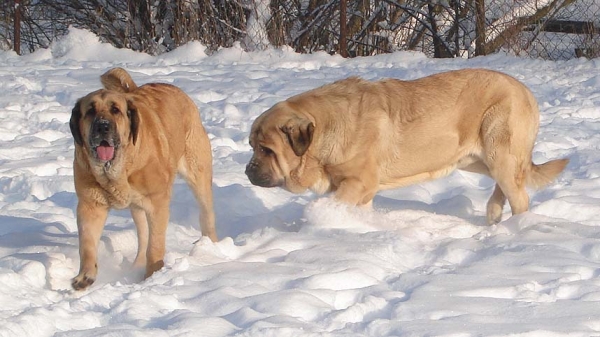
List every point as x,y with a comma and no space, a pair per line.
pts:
257,177
251,167
102,126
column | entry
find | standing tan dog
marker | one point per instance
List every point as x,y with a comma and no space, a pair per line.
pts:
130,142
355,137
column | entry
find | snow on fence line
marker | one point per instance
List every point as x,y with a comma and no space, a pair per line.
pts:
549,29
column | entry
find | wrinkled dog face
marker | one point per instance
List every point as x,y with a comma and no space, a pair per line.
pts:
103,122
269,164
279,140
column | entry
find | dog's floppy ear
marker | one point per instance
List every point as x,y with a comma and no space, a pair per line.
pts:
299,132
134,121
74,124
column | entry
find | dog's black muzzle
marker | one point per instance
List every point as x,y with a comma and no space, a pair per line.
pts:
103,130
258,177
104,140
102,126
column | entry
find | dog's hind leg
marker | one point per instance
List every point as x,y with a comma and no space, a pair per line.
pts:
510,177
158,219
196,168
495,206
507,154
496,203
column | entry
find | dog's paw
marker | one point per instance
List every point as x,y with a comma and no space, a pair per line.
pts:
494,212
152,267
82,281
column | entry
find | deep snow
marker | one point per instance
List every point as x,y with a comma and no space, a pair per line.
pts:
423,263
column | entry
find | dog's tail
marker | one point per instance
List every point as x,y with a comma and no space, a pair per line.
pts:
118,79
544,174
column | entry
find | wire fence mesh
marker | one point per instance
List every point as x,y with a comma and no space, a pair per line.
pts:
549,29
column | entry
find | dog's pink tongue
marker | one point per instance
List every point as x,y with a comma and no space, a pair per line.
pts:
105,153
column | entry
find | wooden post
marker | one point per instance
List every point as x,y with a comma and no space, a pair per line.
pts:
437,41
17,39
479,27
343,45
456,28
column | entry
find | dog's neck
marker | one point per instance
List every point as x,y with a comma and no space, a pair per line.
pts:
308,175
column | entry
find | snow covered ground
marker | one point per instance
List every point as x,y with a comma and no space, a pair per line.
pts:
423,263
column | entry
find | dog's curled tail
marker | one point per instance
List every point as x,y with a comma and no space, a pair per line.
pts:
543,174
118,79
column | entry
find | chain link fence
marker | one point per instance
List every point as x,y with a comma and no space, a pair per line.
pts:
549,29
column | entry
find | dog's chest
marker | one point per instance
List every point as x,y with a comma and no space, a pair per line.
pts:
122,196
117,190
118,195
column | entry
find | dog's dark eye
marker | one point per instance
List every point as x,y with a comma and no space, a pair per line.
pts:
115,110
265,150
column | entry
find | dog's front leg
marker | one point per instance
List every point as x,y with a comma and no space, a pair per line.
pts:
91,218
355,191
158,219
141,225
